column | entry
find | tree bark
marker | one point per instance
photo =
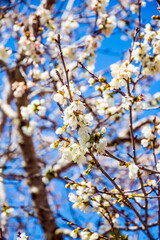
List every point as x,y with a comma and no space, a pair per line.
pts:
31,166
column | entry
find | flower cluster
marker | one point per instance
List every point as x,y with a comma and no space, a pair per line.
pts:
98,5
6,211
26,112
47,174
81,199
142,51
134,7
44,15
75,118
74,152
121,74
28,130
148,136
156,99
152,66
158,165
31,49
64,94
37,75
105,104
84,136
158,129
86,196
126,102
106,24
149,34
100,143
69,24
73,115
19,89
85,235
4,52
34,107
156,46
91,45
22,236
152,182
133,170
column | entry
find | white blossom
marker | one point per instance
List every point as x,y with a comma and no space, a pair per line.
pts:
98,5
156,47
91,81
72,197
158,165
138,199
19,89
85,235
103,130
75,153
94,236
44,75
41,110
4,52
147,132
144,142
67,154
101,145
73,234
152,183
133,170
126,102
157,95
35,73
106,24
31,49
28,130
84,134
140,53
44,14
158,129
32,108
69,24
22,237
59,131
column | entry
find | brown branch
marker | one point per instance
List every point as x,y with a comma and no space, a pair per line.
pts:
126,201
49,3
58,41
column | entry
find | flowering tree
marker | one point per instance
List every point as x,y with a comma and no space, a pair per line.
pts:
80,138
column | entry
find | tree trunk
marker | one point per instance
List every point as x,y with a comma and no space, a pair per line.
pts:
31,166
